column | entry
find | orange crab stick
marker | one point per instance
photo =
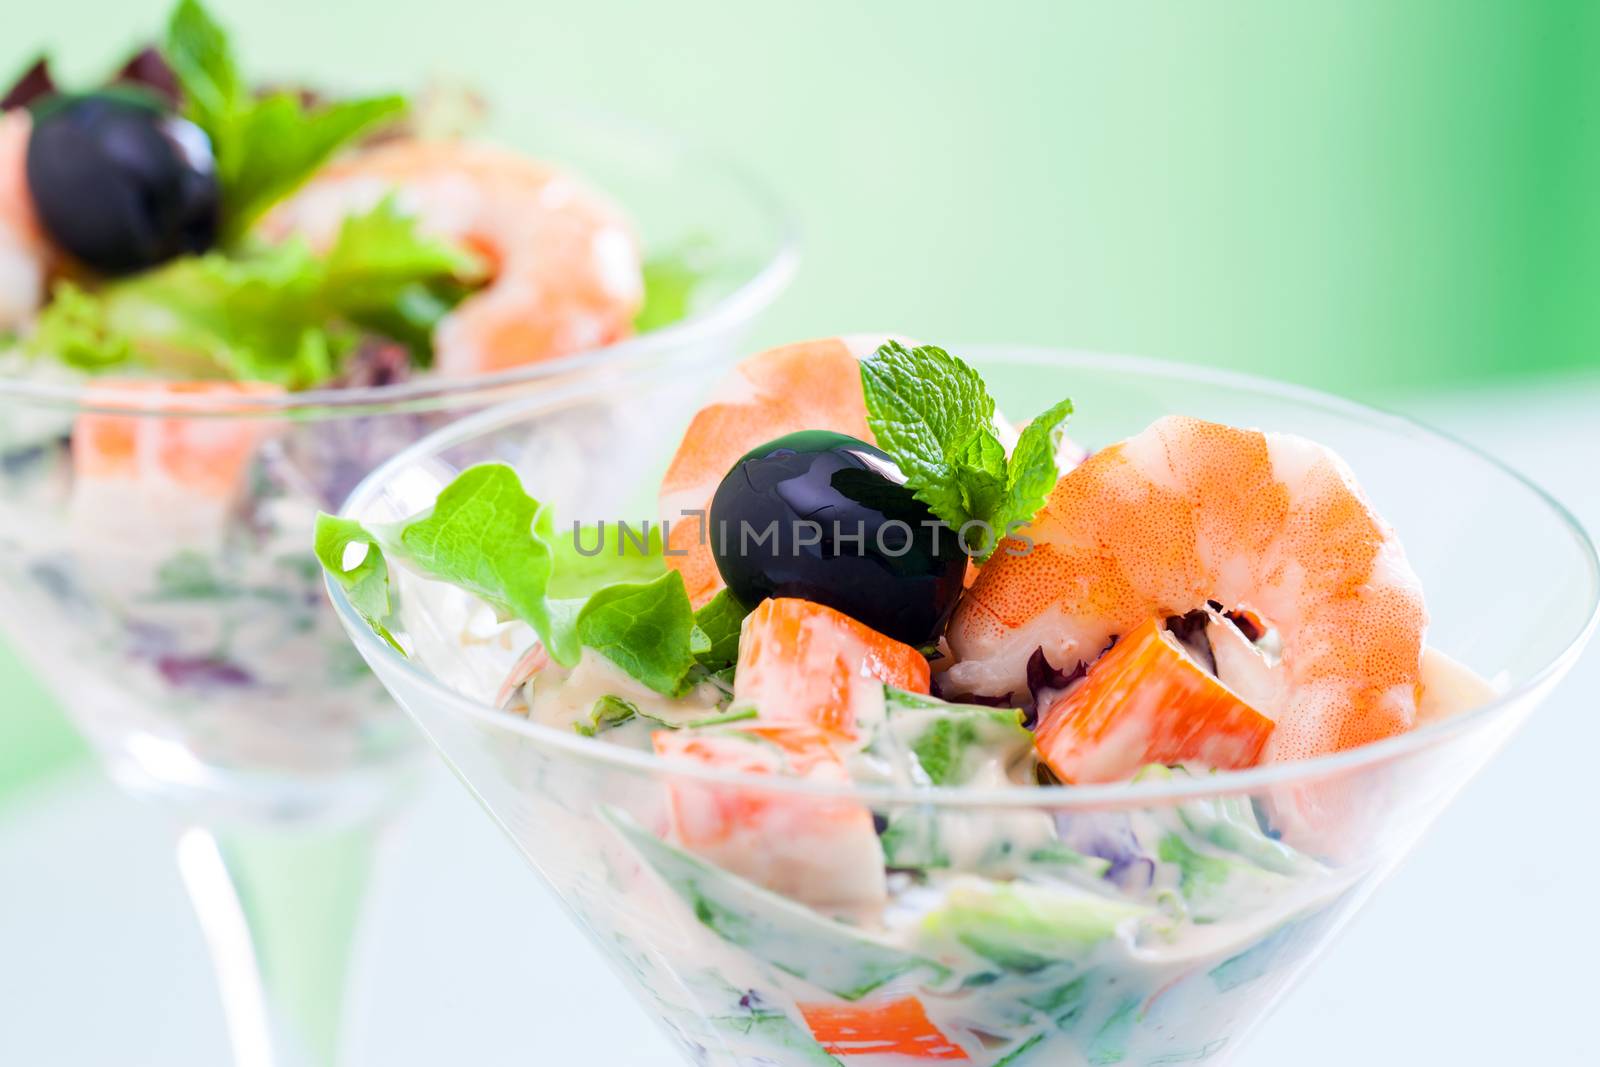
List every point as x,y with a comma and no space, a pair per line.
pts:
818,849
172,478
1147,701
886,1028
803,662
206,453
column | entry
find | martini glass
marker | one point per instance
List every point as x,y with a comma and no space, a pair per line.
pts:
181,624
735,974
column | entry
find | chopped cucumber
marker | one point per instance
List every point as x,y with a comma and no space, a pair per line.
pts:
1026,928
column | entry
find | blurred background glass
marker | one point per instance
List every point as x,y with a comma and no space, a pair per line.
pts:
1376,198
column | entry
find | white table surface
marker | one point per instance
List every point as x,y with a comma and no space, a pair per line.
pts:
1476,953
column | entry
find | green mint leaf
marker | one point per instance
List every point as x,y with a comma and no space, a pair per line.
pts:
1033,470
198,51
486,535
647,630
266,146
926,399
932,414
607,712
367,582
276,143
928,410
720,621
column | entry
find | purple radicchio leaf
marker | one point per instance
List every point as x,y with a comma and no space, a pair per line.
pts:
202,673
1243,620
1190,630
938,692
1045,682
34,85
1109,836
148,69
326,459
377,361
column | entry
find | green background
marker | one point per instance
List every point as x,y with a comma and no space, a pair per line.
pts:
1368,196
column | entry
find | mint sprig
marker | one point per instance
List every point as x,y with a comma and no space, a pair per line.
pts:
932,413
265,145
486,535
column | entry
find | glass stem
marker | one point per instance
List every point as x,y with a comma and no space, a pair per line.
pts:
279,911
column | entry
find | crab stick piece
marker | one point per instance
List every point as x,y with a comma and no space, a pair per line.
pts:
801,662
1147,701
821,850
899,1027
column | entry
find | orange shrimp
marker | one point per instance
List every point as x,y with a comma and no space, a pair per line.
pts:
1189,512
565,265
811,385
24,252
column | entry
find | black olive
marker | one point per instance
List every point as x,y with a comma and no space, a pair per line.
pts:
828,518
121,184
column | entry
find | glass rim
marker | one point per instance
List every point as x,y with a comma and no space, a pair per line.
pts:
1115,794
757,291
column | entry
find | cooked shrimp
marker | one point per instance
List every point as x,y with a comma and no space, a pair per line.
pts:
24,253
565,266
812,385
1189,512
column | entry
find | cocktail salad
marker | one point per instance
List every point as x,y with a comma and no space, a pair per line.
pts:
179,222
185,252
870,580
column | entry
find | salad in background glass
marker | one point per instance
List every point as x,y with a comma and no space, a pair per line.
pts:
221,304
902,734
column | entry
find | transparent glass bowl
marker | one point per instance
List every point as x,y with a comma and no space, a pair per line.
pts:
184,630
737,975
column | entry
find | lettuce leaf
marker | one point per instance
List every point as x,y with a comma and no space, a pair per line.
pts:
367,582
485,535
277,314
605,554
722,621
671,279
646,629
